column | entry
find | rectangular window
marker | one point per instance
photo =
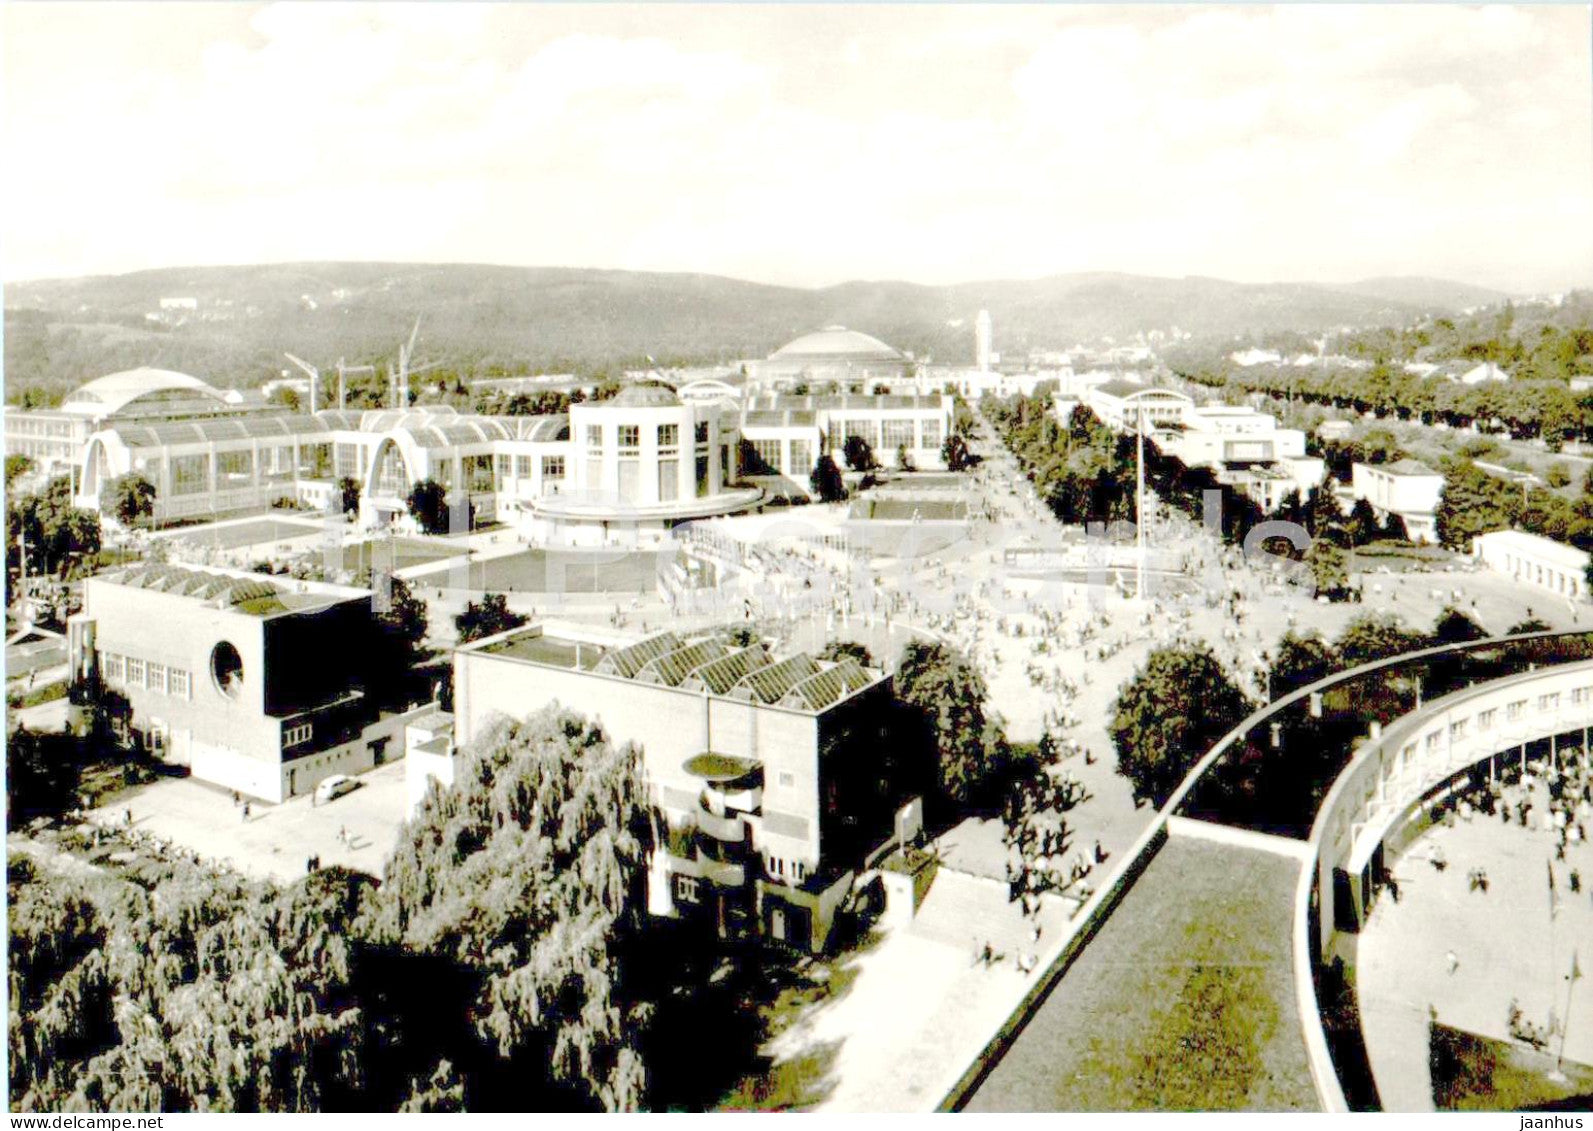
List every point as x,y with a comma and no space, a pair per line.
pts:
668,480
135,672
669,435
234,469
1513,710
630,480
522,467
929,432
502,472
630,436
190,475
686,889
297,735
1550,702
346,463
701,431
553,467
1485,719
787,778
801,458
155,676
1432,740
179,683
1457,729
594,435
115,667
702,477
768,457
897,434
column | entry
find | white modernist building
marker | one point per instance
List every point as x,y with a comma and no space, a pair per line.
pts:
1535,560
1407,488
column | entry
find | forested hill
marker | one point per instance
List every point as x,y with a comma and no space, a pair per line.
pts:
482,319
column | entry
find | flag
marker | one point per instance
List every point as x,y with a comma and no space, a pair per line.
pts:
1576,971
1554,896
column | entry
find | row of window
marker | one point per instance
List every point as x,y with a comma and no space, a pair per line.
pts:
630,435
1547,703
130,671
297,735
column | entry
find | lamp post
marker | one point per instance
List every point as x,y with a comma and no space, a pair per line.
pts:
1139,492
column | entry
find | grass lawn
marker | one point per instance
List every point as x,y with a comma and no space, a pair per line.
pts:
254,532
1184,1001
1476,1073
396,553
567,571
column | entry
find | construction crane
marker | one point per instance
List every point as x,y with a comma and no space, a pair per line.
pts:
315,379
407,368
342,380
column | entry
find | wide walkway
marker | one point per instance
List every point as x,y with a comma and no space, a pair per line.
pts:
1185,1000
1507,946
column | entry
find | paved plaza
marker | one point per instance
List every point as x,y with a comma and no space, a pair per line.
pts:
1505,943
275,841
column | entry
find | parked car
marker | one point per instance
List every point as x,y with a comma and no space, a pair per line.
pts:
334,787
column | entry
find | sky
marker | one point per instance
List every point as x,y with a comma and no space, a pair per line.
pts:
804,144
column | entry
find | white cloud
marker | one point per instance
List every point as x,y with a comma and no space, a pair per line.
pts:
807,144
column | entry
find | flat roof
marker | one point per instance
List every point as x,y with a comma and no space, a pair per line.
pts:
553,651
1184,1000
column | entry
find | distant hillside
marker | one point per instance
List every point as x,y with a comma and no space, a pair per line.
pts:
1430,294
480,319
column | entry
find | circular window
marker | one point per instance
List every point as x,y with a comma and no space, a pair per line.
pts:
226,668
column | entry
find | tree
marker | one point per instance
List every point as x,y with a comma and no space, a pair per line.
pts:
428,504
1301,661
826,481
1376,636
1557,476
17,467
348,490
1472,503
955,452
129,498
288,397
1531,624
945,697
1169,714
1457,627
1329,566
41,775
859,454
904,459
488,618
848,650
531,872
1363,525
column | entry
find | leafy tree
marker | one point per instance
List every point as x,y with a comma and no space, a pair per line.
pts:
1531,624
945,696
1169,714
826,481
129,497
531,872
488,618
348,490
55,530
17,467
1363,526
41,775
848,650
1376,636
1457,627
1329,566
955,452
1473,502
428,504
1557,476
1301,661
904,458
288,397
859,454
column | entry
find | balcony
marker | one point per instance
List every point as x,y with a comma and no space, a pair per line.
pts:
730,830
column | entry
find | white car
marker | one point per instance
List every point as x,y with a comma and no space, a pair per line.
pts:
333,787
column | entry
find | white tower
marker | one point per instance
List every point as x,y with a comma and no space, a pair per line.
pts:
982,341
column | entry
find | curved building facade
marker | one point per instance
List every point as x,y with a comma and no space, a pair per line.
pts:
847,359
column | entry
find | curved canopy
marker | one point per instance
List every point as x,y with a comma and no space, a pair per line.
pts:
144,388
838,343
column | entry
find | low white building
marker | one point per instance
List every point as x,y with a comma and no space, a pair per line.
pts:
1119,404
1532,559
1407,488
